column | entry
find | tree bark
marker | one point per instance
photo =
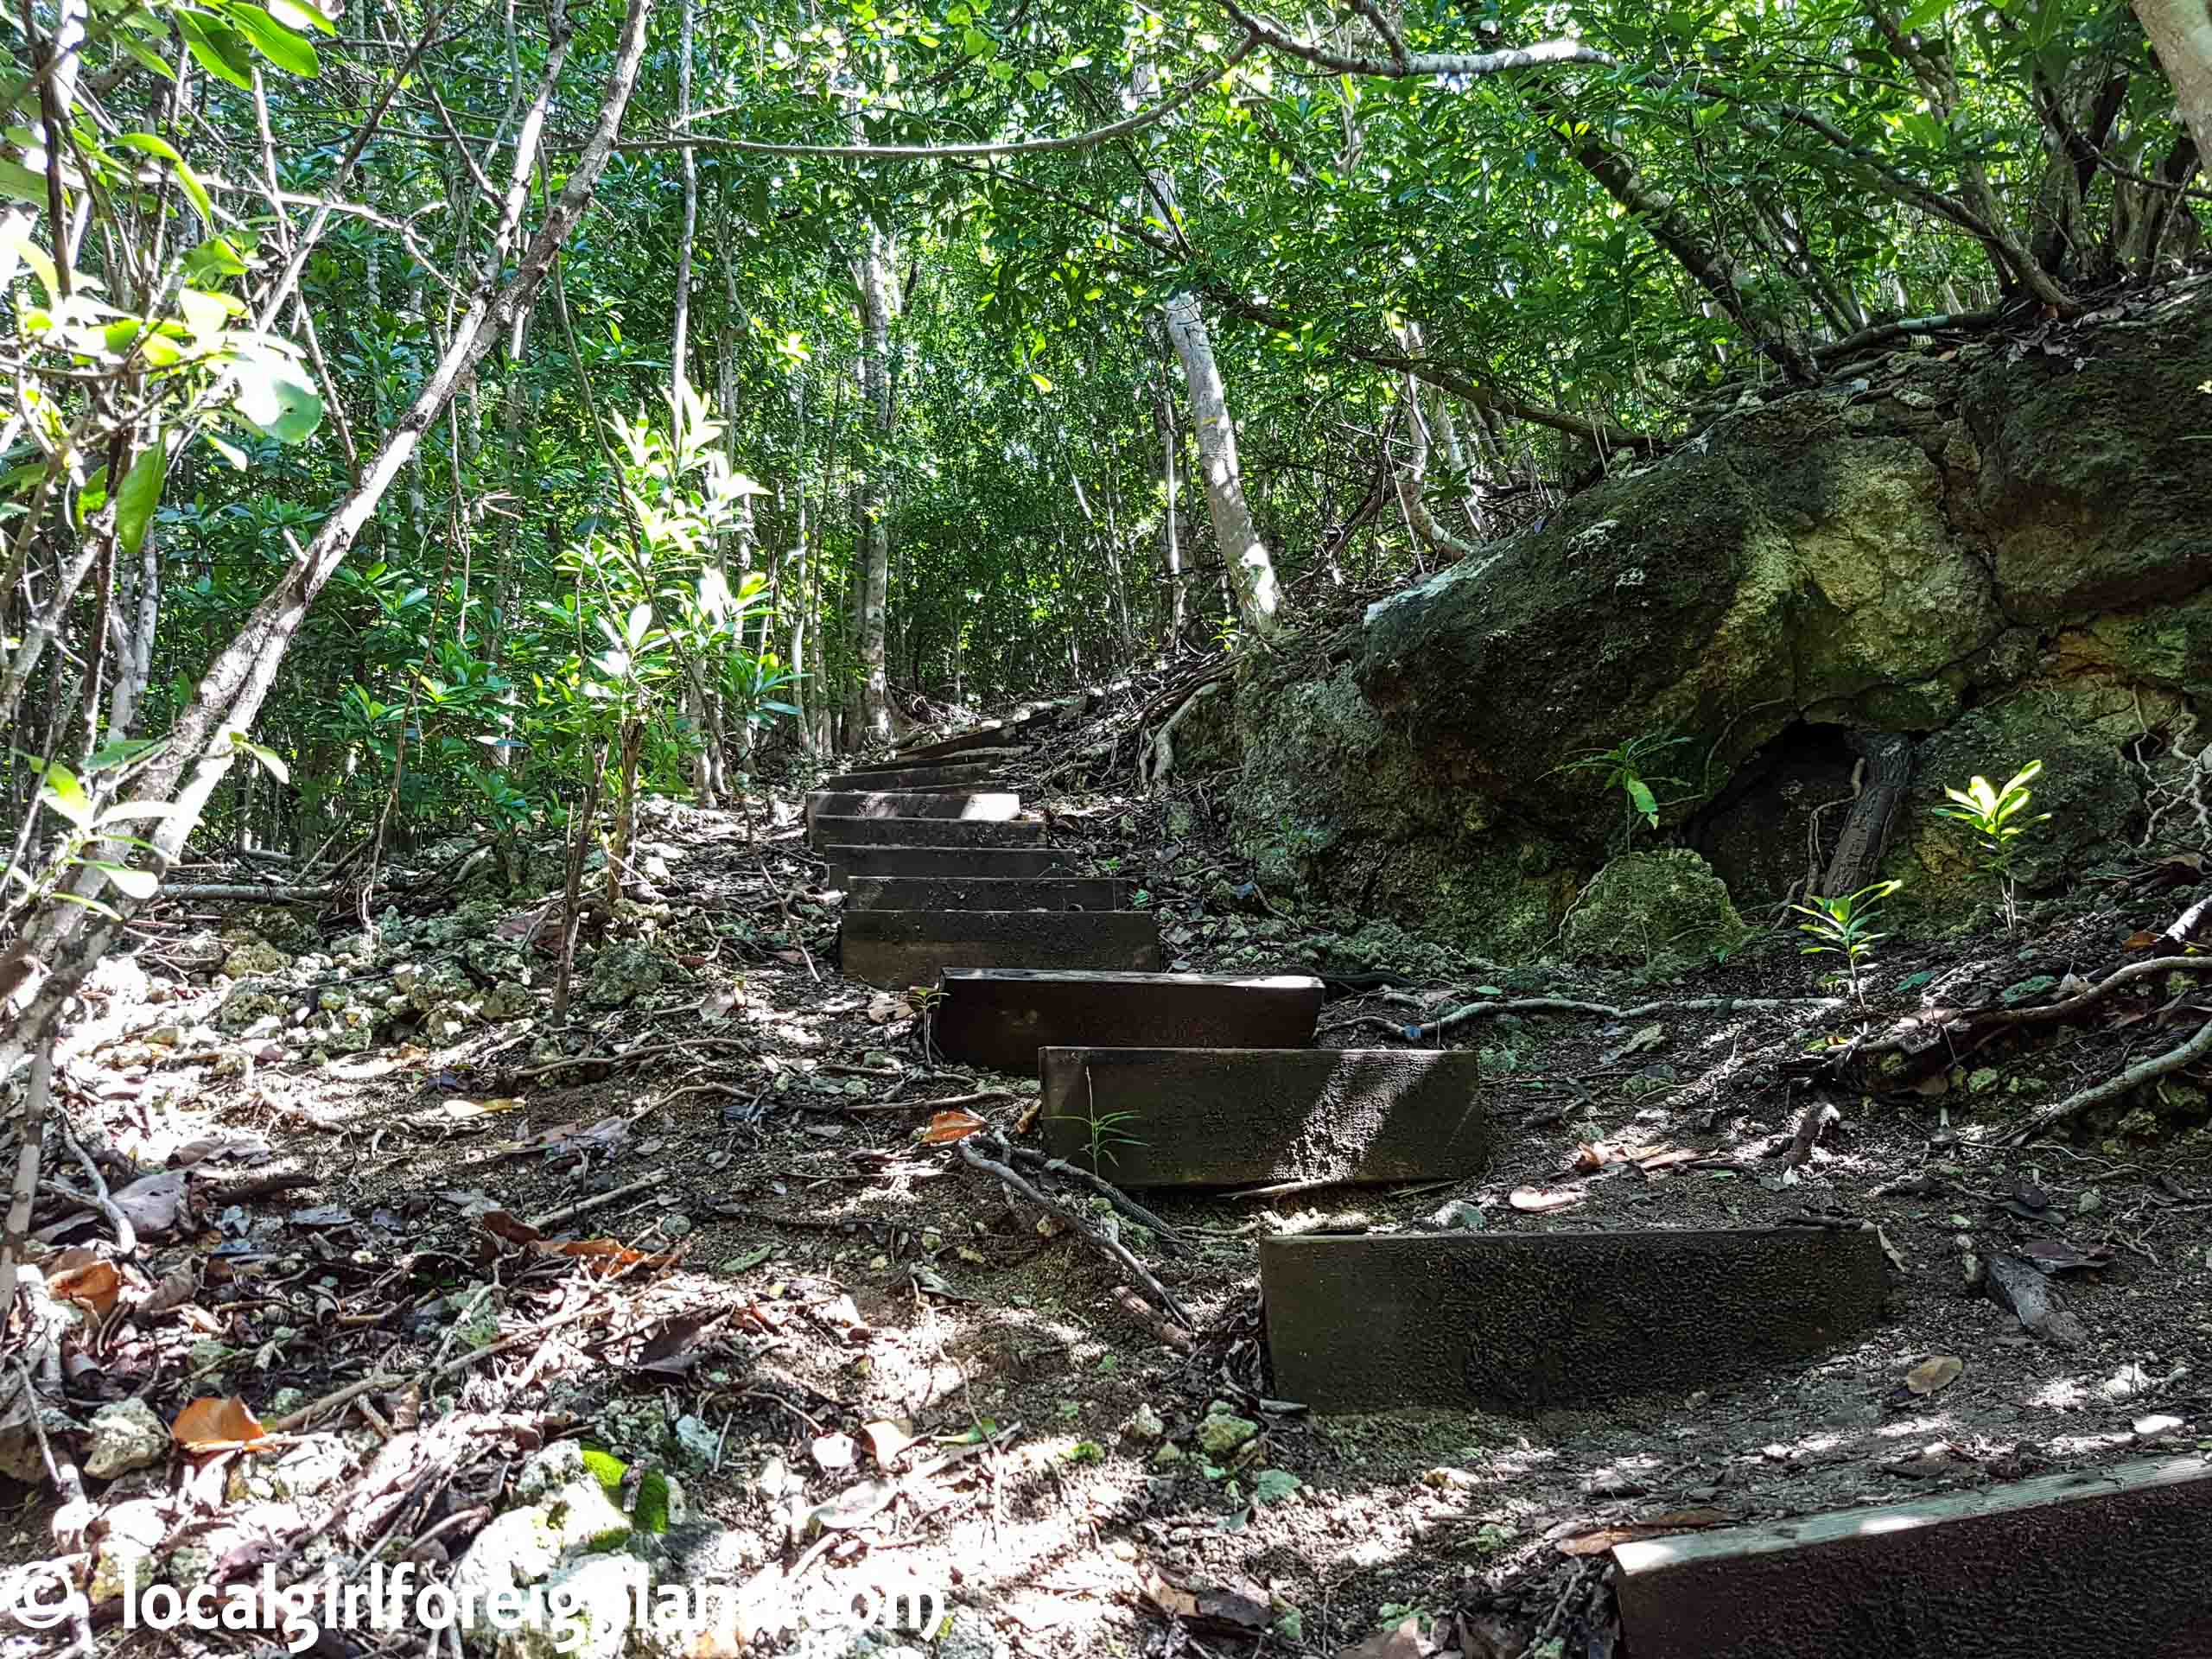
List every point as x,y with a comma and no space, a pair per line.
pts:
681,328
878,303
2181,33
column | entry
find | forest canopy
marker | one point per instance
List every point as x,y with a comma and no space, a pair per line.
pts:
420,415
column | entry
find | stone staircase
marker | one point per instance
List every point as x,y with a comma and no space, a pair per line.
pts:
1166,1080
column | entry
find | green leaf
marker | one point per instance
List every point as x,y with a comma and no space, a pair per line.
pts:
274,395
219,48
147,143
278,44
1039,381
134,884
300,17
1038,79
66,796
19,183
146,56
140,494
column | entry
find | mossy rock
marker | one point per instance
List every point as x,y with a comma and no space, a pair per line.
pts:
1663,911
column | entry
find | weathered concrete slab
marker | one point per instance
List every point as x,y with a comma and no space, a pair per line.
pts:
1229,1117
1023,863
996,805
2057,1567
1001,1017
967,774
1526,1321
910,947
927,832
1008,734
986,892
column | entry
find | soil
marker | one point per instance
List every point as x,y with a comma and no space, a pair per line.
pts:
807,1270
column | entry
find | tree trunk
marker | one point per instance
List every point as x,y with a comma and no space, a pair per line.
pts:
1250,569
681,329
877,305
2181,32
1171,548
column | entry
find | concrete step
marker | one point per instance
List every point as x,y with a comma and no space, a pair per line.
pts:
890,948
2102,1562
1001,1016
987,892
967,774
996,805
848,861
1000,735
1530,1321
927,832
1231,1116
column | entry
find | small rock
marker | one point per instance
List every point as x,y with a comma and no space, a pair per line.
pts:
1144,1424
1983,1080
1222,1432
2090,1203
126,1435
1167,1455
1460,1215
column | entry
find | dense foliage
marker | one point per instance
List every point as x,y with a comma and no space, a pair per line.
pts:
628,529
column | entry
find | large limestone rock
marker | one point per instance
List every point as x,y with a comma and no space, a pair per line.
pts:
2013,561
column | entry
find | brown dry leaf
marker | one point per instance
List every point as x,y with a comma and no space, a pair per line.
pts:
1402,1641
946,1127
95,1283
1937,1371
883,1008
886,1439
154,1203
460,1110
208,1423
720,1005
1593,1155
1538,1200
1226,1610
2141,940
506,1225
1653,1157
1599,1539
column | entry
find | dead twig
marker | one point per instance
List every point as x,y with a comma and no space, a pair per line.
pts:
584,1206
790,927
1084,1226
1170,1240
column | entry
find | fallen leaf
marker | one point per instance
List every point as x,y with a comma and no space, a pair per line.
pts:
679,1347
94,1283
2055,1255
854,1507
833,1451
720,1005
1664,1157
460,1110
1226,1610
323,1215
1593,1155
886,1439
208,1423
504,1225
1937,1371
946,1127
1537,1200
153,1203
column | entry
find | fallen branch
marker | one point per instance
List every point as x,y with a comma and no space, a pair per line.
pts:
1172,1241
585,1206
949,1103
2134,1078
1146,1315
646,1051
1495,1005
1810,1127
1080,1223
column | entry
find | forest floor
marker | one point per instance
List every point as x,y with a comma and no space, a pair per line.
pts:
697,1227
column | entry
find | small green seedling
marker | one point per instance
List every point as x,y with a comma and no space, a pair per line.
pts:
1624,767
1998,818
1844,927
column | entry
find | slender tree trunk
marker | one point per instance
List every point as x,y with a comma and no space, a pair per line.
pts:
1170,545
2181,32
878,304
679,355
1250,568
